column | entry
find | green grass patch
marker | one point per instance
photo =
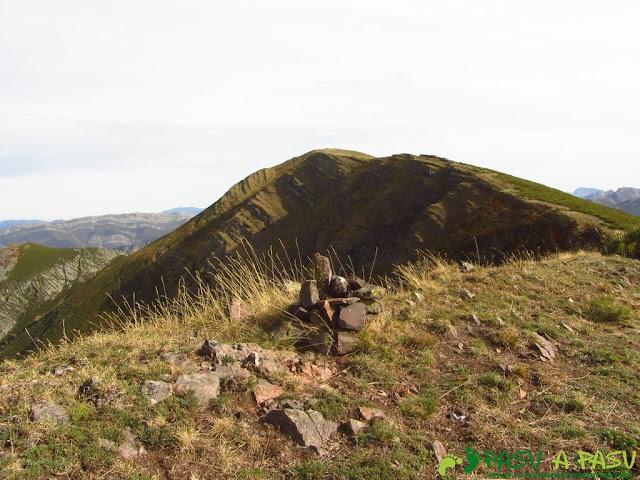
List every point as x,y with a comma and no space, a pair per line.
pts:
605,310
330,404
494,380
618,440
628,244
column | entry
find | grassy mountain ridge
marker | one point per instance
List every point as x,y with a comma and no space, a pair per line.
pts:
365,208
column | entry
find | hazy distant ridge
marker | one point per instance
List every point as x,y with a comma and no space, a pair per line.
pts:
125,232
16,223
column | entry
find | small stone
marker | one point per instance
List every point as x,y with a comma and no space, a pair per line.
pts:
501,322
352,427
49,412
418,297
475,319
238,309
155,391
221,353
369,414
346,342
265,391
466,267
130,448
297,404
355,283
60,371
439,450
342,302
369,292
339,287
466,294
309,295
206,386
254,359
177,359
322,342
300,313
352,317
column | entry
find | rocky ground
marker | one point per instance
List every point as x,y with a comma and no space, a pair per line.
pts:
532,355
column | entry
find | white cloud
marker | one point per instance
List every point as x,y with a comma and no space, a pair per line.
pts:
545,90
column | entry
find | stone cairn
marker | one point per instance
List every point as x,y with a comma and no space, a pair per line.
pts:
332,309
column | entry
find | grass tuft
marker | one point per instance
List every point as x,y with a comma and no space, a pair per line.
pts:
606,310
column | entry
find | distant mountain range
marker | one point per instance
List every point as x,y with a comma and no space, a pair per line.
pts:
125,232
375,212
193,211
17,223
626,199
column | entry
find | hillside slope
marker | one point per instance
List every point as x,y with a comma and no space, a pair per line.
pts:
125,232
32,276
375,211
542,359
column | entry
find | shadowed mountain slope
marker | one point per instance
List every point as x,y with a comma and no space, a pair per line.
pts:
364,208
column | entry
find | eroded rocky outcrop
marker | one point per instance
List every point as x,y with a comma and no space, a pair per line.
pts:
45,274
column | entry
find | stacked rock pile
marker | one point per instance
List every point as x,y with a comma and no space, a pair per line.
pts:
335,308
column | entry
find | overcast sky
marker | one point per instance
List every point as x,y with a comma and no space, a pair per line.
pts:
113,106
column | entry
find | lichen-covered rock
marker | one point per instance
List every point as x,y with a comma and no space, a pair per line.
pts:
49,412
322,271
205,386
155,391
369,292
